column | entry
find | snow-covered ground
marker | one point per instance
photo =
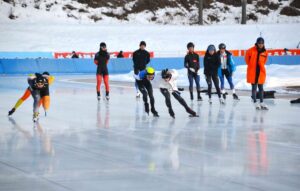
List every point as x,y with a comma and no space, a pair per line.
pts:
278,76
163,40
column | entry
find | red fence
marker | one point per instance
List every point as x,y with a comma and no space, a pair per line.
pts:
92,54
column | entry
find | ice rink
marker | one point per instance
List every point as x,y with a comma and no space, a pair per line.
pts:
86,145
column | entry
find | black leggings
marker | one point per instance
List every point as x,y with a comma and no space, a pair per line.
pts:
146,89
260,92
215,79
177,96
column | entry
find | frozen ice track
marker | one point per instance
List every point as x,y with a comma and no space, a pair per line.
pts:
83,145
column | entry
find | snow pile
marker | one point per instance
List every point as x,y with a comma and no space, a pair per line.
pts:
163,40
278,76
74,12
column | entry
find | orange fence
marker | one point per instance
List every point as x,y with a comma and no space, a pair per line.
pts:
92,54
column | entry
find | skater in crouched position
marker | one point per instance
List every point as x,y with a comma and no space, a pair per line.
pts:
45,96
39,87
168,84
101,60
143,79
211,66
226,69
256,58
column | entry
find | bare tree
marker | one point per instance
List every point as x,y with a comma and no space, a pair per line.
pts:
200,10
244,14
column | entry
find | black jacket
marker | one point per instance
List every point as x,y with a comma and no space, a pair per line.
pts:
140,60
211,64
191,60
101,59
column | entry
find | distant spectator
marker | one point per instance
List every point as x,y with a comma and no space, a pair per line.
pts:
120,55
286,52
74,55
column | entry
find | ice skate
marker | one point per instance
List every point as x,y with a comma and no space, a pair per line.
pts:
154,112
35,117
11,111
199,98
235,97
263,106
257,106
222,101
138,95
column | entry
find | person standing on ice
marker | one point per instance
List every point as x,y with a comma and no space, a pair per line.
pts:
143,79
141,58
168,84
192,63
101,60
45,96
37,85
226,69
211,65
256,58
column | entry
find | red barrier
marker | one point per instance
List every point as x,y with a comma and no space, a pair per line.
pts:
92,54
271,52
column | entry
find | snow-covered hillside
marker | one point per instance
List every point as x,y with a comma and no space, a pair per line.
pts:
146,11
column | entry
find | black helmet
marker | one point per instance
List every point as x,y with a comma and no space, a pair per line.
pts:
222,46
46,73
190,44
40,79
102,45
165,74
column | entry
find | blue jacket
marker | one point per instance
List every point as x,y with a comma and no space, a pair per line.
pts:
230,64
142,75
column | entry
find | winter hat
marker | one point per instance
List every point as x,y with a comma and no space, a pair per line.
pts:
222,46
189,45
211,47
260,40
142,43
102,45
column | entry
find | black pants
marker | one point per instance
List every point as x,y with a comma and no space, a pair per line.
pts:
260,92
36,95
177,96
146,89
215,79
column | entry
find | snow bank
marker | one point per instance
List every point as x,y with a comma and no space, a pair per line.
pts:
278,76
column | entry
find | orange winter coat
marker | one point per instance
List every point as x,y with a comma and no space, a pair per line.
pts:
251,60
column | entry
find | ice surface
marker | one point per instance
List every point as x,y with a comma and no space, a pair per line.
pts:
86,145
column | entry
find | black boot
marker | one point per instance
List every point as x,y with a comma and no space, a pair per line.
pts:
192,113
235,97
11,111
154,112
107,96
98,96
147,108
192,95
199,96
171,112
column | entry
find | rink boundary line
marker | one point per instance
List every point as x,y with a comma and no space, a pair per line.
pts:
84,83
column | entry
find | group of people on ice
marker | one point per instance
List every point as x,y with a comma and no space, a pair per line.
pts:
218,65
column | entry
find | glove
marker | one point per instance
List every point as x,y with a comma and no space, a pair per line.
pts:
137,77
192,70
